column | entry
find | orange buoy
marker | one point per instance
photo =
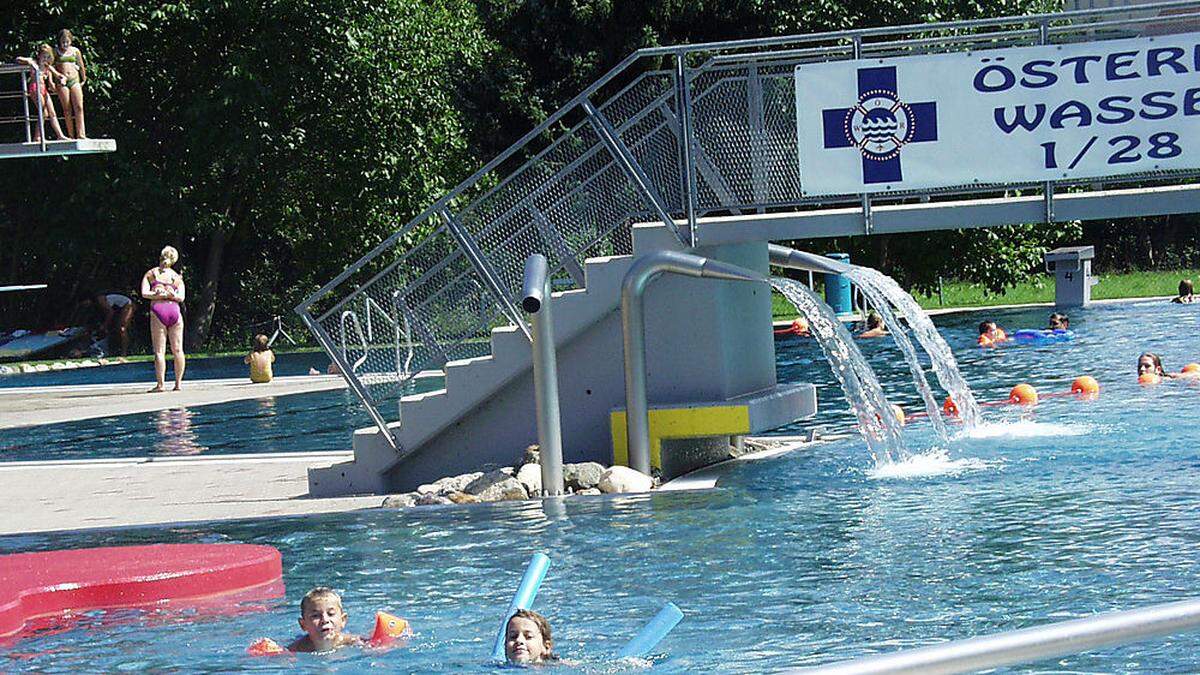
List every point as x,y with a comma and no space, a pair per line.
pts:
265,647
1191,368
949,409
1149,378
1085,385
899,412
388,628
1023,394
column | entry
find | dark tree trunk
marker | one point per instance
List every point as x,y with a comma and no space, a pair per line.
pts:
200,321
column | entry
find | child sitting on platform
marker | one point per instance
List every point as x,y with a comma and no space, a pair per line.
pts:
323,620
260,360
527,638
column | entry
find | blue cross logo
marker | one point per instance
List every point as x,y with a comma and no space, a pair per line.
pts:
879,124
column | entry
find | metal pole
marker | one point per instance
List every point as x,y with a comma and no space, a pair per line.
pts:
633,331
683,94
536,301
25,103
352,380
1027,645
629,165
37,78
490,280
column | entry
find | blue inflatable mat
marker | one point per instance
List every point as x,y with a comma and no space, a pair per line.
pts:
1044,336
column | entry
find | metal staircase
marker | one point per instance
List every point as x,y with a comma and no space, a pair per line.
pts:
695,139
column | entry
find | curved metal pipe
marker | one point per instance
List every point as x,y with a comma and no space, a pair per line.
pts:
782,256
633,328
536,301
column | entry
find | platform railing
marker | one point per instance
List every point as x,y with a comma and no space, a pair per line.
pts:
1028,645
669,135
26,119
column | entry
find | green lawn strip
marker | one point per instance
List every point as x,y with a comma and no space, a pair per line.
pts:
1039,288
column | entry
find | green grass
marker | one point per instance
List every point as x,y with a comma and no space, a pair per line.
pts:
1039,288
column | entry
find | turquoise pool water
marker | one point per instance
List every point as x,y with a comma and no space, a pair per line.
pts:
1047,514
197,369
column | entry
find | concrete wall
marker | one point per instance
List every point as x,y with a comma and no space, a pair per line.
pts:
706,340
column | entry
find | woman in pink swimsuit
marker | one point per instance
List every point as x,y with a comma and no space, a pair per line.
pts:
164,288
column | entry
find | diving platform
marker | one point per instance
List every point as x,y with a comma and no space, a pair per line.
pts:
70,146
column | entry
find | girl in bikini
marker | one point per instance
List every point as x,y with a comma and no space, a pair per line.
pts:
164,288
47,80
69,61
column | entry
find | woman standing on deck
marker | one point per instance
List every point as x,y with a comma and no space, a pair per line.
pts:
69,61
164,288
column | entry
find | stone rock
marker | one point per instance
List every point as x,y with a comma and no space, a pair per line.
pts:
400,501
444,486
583,475
533,455
432,499
621,479
462,498
530,477
496,486
589,491
41,368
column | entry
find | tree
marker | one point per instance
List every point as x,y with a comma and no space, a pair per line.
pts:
271,141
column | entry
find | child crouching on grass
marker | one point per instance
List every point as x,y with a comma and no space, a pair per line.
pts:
260,360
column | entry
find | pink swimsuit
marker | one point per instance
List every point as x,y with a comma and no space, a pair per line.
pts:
167,311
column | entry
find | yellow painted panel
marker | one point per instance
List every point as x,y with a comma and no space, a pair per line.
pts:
722,420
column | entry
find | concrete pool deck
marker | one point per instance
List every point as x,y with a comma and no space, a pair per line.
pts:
33,406
82,494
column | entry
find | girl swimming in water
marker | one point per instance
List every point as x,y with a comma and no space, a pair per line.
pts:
527,638
164,288
69,61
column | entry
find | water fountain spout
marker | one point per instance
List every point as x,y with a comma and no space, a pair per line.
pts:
782,256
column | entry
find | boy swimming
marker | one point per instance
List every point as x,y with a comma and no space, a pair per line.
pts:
323,620
990,334
527,638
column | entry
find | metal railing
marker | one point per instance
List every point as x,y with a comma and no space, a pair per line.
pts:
26,119
1027,645
669,134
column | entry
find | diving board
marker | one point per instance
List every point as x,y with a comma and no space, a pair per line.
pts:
70,146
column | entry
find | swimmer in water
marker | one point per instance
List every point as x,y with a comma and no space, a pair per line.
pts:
1059,322
990,334
1152,363
1185,293
323,620
527,639
874,326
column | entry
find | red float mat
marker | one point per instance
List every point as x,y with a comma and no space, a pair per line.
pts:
50,583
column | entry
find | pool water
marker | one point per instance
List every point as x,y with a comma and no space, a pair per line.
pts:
1046,514
319,421
296,363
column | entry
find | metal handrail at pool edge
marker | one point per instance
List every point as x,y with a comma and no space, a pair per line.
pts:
1027,645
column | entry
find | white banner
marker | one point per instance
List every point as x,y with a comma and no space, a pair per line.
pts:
1018,115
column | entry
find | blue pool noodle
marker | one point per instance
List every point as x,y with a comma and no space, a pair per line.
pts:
530,583
652,633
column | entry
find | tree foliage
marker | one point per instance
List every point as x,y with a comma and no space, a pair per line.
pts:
273,141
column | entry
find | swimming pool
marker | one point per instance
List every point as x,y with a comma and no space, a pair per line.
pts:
1071,508
208,368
